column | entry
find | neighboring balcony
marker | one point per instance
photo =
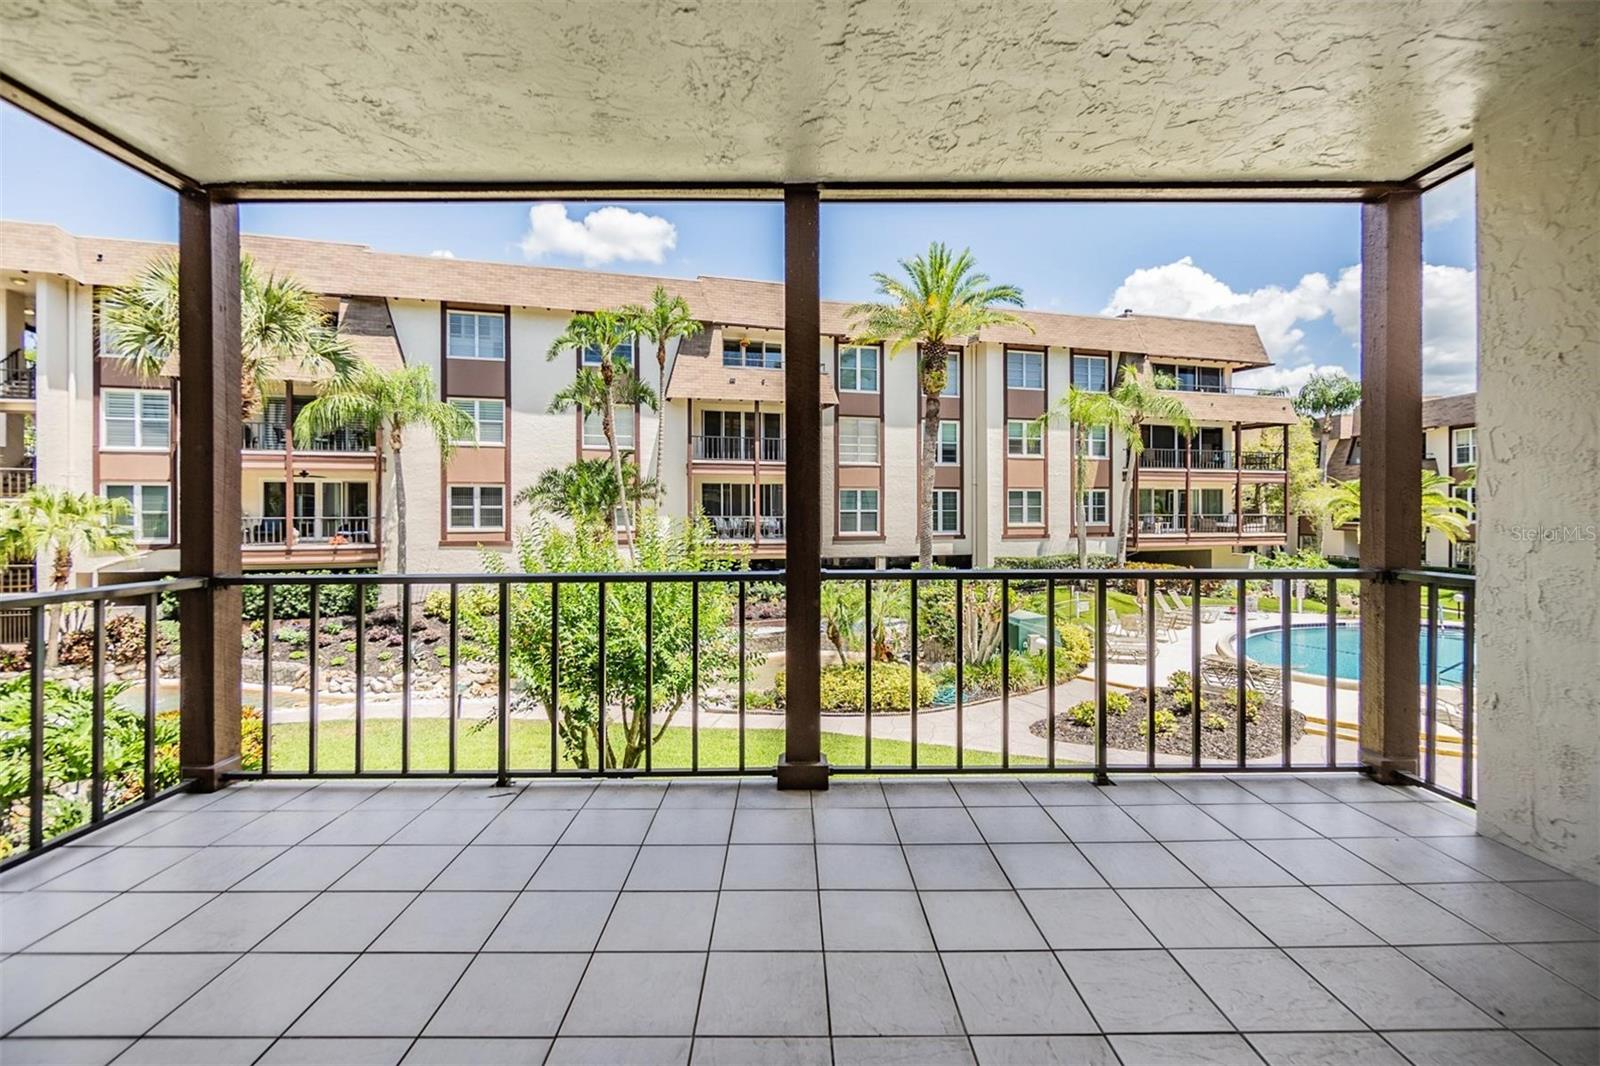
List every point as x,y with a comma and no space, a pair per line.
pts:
737,449
1209,459
341,538
746,527
275,437
1219,525
17,378
15,480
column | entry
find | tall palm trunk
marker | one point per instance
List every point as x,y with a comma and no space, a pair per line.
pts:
55,616
1125,512
608,425
934,368
399,499
661,420
1081,491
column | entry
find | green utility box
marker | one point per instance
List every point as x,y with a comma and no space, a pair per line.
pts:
1022,627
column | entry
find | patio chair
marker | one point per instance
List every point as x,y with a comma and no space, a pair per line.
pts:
1122,649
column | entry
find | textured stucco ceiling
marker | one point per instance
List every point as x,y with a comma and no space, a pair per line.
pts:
727,91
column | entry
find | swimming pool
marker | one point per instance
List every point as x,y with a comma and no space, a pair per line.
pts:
1308,651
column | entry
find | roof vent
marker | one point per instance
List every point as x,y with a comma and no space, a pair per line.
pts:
1127,312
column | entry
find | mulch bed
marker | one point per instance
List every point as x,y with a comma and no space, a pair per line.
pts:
1263,737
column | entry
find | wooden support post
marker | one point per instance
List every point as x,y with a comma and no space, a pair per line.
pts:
209,439
802,764
1391,479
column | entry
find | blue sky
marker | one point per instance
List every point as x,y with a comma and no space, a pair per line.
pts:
1283,267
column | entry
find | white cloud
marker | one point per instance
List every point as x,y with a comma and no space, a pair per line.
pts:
1449,324
1187,291
602,236
442,253
1290,378
1454,199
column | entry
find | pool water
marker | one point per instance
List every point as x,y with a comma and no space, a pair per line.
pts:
1308,651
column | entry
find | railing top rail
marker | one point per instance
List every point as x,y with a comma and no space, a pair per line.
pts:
1445,578
508,577
1091,574
128,591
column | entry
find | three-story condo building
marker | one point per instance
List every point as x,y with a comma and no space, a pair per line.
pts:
1004,481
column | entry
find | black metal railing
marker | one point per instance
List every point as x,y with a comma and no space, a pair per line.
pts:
264,436
1447,734
745,527
1243,525
275,436
341,440
17,377
69,791
738,449
15,480
1208,459
1261,461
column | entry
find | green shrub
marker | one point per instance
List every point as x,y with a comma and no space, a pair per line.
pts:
297,638
1065,561
1166,722
844,687
1118,703
1214,722
298,655
1082,714
337,660
294,601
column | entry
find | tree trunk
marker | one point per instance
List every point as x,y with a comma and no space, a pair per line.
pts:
1081,492
934,370
608,425
1124,514
400,501
661,416
55,617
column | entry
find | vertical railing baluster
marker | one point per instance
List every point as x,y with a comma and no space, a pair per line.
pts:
1005,672
1150,673
315,593
1050,672
555,678
912,638
1331,686
694,675
97,722
1285,668
451,706
743,587
266,676
600,678
36,652
1100,775
1242,752
1468,655
1194,674
152,678
650,676
866,692
961,627
405,678
1431,708
361,679
503,702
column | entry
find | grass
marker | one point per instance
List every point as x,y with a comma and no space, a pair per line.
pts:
530,748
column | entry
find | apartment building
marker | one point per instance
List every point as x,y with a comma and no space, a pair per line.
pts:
1449,447
1004,482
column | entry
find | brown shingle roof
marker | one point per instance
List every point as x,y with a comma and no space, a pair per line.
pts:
1459,410
698,374
1226,407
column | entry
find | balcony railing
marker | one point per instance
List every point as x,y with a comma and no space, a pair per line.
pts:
273,436
17,578
1223,390
17,377
1207,459
320,530
15,480
1231,524
738,449
743,527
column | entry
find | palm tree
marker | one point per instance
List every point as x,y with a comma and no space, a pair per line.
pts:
943,300
585,491
1442,512
603,332
56,524
1321,399
1132,405
386,403
667,318
1083,410
281,322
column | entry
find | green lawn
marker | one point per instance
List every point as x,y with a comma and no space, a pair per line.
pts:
530,748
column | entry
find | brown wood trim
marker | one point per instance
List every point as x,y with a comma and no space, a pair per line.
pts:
1024,532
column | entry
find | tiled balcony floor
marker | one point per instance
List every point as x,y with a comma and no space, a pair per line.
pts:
1185,920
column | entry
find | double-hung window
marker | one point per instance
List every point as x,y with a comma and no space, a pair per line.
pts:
1024,438
623,421
475,335
488,420
1099,442
1091,373
947,510
1464,446
858,441
952,374
1024,370
1025,507
949,443
1096,507
858,368
149,513
136,418
1470,494
477,507
858,510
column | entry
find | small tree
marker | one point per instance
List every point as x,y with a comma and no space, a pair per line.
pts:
1083,410
666,319
55,524
1134,404
1322,399
942,301
280,322
386,403
585,491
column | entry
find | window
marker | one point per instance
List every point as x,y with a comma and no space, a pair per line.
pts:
477,507
1025,507
725,500
767,355
1097,507
594,435
1099,442
1191,378
952,374
1024,370
623,354
1091,373
858,369
1024,438
947,510
949,443
858,510
1355,451
1466,554
488,420
136,418
149,510
475,335
858,441
1470,494
1208,503
1464,446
